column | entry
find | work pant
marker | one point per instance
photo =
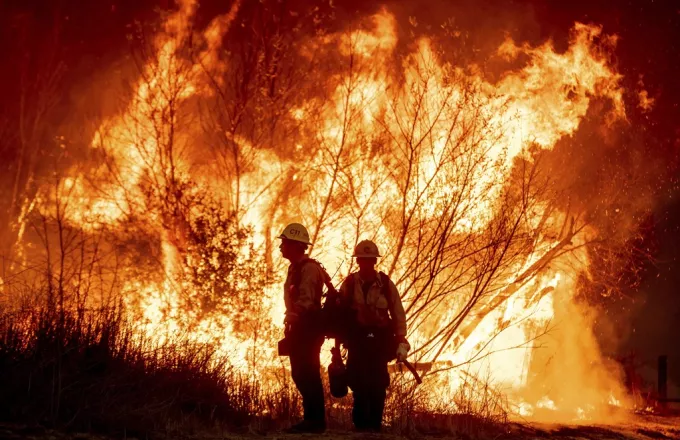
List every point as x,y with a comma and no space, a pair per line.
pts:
306,371
368,377
367,412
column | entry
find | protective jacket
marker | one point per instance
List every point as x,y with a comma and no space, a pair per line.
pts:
303,295
374,303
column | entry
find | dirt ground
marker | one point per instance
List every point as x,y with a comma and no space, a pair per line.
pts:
640,427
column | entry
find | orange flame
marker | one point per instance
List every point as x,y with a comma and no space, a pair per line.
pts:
385,140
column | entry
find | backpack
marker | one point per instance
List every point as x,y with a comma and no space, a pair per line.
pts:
330,317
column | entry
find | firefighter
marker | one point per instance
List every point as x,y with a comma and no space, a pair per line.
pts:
375,336
303,289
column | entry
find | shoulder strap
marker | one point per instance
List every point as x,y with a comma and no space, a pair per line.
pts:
385,289
330,288
350,287
297,275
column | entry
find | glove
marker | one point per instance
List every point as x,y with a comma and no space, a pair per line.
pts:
402,351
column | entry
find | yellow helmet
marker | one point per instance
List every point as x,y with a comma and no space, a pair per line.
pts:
296,232
366,249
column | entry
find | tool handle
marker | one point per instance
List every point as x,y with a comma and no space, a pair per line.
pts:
413,371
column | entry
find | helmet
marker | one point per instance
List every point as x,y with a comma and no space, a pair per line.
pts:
366,248
296,232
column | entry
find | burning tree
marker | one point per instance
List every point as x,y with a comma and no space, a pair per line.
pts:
432,163
359,135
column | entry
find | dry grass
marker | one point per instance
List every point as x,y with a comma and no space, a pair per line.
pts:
91,372
474,411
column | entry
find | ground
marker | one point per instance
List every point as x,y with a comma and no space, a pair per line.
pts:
639,428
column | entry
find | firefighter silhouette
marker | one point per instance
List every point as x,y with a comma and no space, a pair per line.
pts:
375,336
303,290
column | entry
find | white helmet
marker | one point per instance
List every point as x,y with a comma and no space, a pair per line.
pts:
296,232
366,249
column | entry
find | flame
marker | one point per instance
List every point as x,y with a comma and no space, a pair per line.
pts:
383,144
646,103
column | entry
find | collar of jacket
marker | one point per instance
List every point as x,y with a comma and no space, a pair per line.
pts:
378,278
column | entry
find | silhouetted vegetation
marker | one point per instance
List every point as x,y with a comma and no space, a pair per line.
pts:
93,372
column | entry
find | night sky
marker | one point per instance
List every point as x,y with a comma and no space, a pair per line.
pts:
88,39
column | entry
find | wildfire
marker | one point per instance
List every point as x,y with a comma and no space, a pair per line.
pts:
412,151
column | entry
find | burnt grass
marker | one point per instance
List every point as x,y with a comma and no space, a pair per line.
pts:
91,372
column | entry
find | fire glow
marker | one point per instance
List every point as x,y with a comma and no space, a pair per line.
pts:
430,159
